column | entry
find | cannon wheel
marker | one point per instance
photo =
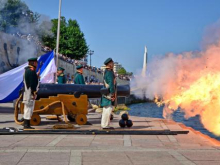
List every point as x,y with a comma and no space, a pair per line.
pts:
81,119
35,119
71,118
17,111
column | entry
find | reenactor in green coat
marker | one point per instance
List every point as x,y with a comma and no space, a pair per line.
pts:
78,77
107,101
31,83
61,79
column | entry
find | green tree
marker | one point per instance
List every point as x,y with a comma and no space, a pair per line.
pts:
129,73
72,40
14,13
122,71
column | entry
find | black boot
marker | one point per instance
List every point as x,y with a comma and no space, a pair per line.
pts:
27,124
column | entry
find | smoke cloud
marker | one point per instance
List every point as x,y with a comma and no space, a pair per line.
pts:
168,74
2,4
23,41
189,81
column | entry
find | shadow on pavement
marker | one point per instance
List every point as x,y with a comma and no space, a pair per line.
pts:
10,121
6,110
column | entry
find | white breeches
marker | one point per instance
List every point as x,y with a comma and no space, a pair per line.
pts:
28,101
106,114
28,109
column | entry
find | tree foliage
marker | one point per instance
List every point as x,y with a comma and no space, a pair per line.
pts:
129,73
15,16
15,13
122,71
72,41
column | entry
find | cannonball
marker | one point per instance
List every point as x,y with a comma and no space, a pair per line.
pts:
129,123
124,117
122,123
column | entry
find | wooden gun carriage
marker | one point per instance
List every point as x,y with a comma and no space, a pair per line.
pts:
69,100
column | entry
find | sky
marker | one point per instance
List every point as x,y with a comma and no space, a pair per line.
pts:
121,28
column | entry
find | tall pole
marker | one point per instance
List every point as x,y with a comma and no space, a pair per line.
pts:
90,60
58,36
90,53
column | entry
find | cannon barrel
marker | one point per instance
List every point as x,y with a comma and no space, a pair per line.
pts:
92,91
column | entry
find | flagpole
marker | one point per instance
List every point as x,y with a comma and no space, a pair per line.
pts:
58,37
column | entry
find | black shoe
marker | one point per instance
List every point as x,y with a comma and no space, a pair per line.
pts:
27,124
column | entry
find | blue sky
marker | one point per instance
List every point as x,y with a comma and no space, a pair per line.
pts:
121,28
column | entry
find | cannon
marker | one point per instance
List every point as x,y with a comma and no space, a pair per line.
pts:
64,99
92,91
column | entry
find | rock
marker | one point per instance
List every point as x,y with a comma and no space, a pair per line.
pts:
123,112
91,110
99,110
94,106
122,107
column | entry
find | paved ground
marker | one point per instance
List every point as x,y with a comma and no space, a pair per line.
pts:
193,148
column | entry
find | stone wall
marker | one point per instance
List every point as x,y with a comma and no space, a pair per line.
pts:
71,69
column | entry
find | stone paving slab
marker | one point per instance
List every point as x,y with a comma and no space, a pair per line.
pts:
202,155
207,162
43,163
11,157
188,149
46,157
